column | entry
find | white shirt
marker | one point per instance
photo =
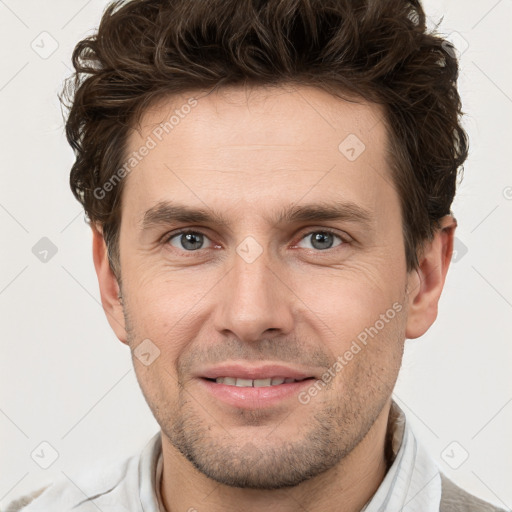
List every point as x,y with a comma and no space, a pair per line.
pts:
412,484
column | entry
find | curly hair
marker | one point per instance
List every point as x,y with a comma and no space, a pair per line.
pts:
376,50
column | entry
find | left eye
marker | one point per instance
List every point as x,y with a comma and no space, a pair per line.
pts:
322,240
189,240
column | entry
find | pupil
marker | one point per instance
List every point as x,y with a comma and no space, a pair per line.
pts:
191,240
322,240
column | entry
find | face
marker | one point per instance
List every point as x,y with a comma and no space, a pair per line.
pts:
261,241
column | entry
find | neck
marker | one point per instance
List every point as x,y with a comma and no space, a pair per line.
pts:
352,482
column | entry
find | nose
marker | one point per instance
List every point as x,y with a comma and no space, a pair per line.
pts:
254,302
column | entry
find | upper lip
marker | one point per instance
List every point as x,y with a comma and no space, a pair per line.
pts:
245,371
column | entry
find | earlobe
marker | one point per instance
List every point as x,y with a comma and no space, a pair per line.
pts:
108,284
426,283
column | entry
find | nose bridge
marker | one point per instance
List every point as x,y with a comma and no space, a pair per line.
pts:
254,300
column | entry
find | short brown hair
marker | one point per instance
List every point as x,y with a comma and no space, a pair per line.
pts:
377,50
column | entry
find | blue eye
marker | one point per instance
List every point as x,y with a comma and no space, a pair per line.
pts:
188,240
322,240
191,241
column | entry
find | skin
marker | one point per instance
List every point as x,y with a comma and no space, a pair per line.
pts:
248,153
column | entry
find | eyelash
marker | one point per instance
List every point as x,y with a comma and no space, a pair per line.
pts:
345,240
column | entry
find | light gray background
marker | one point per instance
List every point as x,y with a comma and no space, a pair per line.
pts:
66,379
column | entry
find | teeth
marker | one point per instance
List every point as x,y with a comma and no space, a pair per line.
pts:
243,383
261,382
257,383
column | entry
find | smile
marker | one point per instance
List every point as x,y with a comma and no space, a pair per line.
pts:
255,383
243,393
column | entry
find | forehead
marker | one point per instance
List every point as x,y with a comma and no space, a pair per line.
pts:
261,146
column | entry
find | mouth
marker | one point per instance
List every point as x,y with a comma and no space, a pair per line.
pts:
255,383
246,374
249,387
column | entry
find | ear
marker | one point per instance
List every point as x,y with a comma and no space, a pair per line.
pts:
109,287
425,284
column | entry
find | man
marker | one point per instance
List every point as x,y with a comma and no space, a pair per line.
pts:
268,185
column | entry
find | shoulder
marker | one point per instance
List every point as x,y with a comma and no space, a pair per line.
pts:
23,501
108,486
456,499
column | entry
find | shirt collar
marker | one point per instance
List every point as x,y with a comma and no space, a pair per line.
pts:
413,482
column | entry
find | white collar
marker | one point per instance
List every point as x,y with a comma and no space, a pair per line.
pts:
413,482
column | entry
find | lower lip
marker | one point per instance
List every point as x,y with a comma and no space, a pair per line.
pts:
255,397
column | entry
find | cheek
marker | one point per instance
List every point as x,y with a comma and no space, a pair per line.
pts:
370,355
161,296
349,297
360,315
168,308
160,389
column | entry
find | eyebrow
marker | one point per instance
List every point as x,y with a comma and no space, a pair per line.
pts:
166,212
